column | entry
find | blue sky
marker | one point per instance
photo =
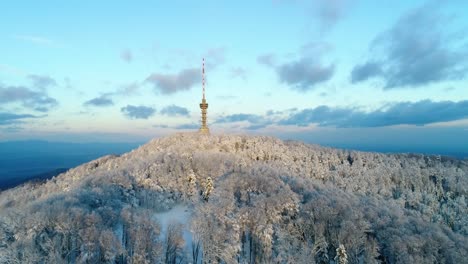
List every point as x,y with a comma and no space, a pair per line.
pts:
130,71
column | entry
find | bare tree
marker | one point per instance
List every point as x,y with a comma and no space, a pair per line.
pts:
174,245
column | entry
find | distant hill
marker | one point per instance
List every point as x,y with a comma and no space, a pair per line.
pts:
38,178
21,161
190,198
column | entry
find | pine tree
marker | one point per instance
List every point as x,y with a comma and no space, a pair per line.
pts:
192,184
341,256
208,188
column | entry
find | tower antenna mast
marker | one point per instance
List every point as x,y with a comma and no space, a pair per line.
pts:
203,77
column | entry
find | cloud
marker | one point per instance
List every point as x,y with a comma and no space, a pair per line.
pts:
257,126
365,71
101,101
106,98
36,100
416,51
187,126
215,57
41,81
267,59
256,121
329,12
272,112
174,110
315,49
180,126
239,72
10,118
277,113
128,89
403,113
137,112
126,55
172,83
305,73
239,118
307,70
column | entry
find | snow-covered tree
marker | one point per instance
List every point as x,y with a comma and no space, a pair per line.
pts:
275,201
341,256
191,184
208,188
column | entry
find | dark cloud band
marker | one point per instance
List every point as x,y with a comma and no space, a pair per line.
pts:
10,118
403,113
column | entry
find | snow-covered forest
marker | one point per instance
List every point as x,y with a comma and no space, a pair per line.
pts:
190,198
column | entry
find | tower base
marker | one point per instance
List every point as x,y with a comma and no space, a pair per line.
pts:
204,130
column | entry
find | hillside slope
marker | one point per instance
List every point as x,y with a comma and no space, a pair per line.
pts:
251,200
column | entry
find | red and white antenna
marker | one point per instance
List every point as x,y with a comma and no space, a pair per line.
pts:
203,78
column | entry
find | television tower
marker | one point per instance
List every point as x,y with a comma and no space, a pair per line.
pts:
204,105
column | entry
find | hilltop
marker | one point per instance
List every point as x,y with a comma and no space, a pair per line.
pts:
247,199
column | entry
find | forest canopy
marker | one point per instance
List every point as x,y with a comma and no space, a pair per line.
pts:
248,200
